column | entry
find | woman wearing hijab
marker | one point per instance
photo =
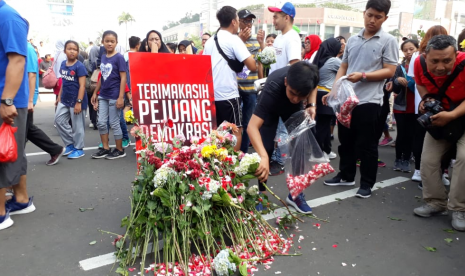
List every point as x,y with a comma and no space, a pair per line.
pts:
328,65
143,46
312,44
185,47
155,43
60,56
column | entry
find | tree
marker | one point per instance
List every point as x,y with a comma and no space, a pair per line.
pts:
312,5
125,18
253,7
336,6
189,18
396,33
197,41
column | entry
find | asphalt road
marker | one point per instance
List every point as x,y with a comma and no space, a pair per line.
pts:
55,238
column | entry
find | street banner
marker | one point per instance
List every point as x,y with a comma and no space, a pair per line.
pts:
173,87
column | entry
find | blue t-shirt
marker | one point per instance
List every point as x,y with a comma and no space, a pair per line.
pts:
111,80
70,76
32,66
13,39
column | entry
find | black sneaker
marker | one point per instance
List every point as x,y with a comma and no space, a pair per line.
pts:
115,154
363,193
338,181
102,153
276,168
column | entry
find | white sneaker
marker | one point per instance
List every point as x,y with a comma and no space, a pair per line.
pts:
416,176
332,155
91,125
445,181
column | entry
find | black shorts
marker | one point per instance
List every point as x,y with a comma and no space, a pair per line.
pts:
230,111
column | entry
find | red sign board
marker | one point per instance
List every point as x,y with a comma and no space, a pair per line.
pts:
176,87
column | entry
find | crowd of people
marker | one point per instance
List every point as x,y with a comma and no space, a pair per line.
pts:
425,89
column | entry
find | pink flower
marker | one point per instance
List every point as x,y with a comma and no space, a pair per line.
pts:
134,131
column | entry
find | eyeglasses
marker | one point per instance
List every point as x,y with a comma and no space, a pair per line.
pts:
250,21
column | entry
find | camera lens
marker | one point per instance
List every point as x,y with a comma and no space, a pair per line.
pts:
425,120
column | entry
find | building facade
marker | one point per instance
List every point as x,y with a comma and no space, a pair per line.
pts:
181,32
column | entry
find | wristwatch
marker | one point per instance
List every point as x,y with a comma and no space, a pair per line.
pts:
79,100
8,102
310,105
364,77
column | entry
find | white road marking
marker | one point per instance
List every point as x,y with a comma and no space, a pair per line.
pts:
89,148
110,258
332,198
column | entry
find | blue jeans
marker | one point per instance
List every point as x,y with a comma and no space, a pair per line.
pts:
122,123
107,112
248,100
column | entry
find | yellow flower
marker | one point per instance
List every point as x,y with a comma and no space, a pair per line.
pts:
207,151
129,116
221,153
462,44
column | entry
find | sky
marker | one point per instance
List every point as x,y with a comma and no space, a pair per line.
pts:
92,16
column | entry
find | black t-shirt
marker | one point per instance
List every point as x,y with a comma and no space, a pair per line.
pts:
273,102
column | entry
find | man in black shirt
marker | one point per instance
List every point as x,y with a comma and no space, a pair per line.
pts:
284,93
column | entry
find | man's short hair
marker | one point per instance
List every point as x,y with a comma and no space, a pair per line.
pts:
172,46
441,42
283,14
379,5
339,38
209,35
47,55
226,15
91,43
133,42
303,77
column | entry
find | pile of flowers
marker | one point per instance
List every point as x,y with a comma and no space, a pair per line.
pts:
197,200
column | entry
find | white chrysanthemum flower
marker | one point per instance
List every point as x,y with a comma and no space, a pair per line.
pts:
161,176
221,263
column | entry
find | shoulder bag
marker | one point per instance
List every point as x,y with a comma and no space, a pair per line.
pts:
49,79
234,64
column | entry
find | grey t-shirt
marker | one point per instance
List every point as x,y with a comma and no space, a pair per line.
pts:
328,72
370,55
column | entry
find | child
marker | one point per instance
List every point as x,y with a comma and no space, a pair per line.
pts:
71,102
110,101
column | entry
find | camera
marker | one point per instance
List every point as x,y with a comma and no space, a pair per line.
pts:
432,107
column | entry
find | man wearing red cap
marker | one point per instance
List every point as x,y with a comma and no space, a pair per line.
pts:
288,43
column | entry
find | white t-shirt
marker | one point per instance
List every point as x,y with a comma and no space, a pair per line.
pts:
411,70
288,47
224,78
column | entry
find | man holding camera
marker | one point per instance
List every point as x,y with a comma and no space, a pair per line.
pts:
440,80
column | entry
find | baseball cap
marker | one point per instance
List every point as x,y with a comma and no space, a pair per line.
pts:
245,13
287,8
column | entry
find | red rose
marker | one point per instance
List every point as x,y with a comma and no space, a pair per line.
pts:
72,73
170,123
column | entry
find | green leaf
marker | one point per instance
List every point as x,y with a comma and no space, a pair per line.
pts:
418,197
85,209
122,271
396,219
243,269
197,210
448,240
338,199
92,242
449,231
430,249
151,205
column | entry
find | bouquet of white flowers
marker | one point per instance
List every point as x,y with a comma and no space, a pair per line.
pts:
267,56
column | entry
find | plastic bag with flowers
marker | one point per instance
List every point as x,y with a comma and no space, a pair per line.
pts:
302,154
343,100
197,196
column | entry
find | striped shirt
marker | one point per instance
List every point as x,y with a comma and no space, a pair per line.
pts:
247,85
